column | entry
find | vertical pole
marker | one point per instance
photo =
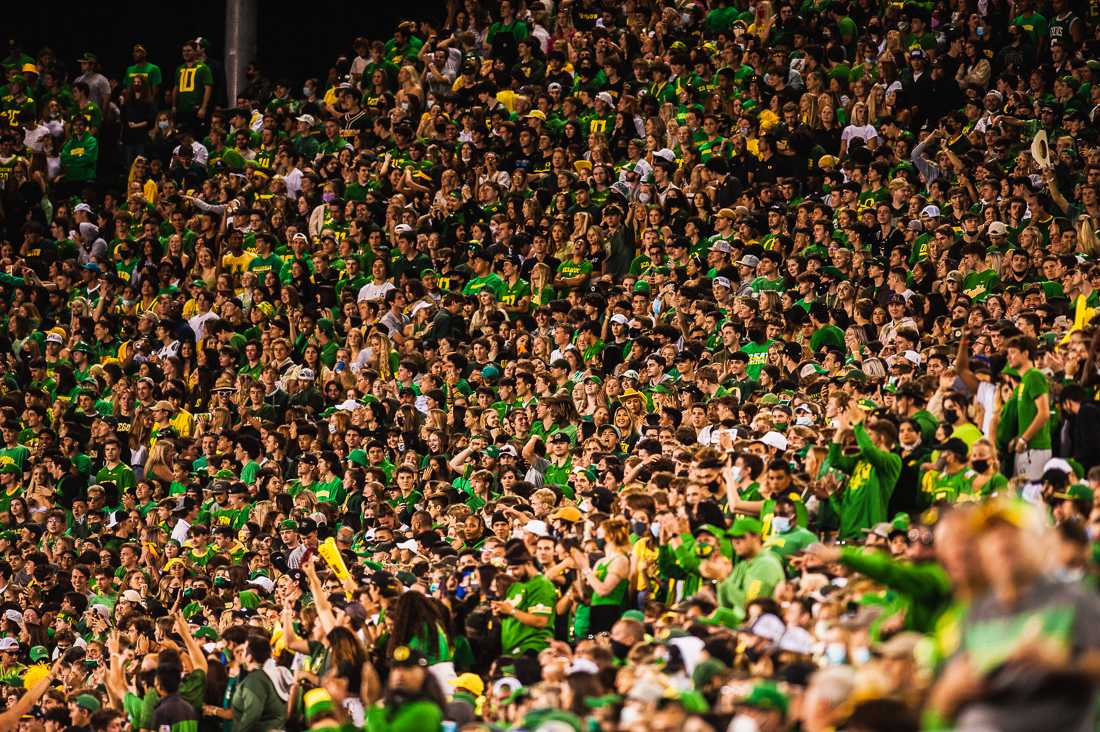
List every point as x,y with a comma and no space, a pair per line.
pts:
240,42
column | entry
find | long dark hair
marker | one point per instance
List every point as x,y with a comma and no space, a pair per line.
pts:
347,655
416,616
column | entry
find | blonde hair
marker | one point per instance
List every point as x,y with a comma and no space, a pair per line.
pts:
1087,241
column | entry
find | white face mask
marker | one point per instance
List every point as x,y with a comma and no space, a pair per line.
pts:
736,472
781,524
743,723
804,420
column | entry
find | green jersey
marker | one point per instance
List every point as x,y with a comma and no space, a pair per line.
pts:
192,81
512,294
944,486
536,596
121,475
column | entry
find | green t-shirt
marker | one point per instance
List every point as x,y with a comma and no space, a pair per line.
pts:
874,473
477,284
538,597
758,357
827,335
149,72
570,269
751,579
414,716
1032,386
18,455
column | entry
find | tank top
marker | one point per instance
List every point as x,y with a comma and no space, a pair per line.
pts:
617,596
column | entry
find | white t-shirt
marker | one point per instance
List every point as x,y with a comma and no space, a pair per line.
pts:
371,291
866,132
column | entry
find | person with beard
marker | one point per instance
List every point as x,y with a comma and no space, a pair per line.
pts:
412,699
527,611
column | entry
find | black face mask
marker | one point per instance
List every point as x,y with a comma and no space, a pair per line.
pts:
980,465
639,528
950,416
620,649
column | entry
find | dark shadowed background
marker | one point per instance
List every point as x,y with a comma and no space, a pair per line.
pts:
297,40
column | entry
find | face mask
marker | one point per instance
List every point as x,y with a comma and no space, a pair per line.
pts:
655,529
980,465
639,528
619,648
585,506
861,655
328,196
804,421
736,472
221,582
836,654
743,723
306,91
950,415
781,524
164,124
780,426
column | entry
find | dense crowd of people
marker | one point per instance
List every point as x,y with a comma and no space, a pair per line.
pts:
559,365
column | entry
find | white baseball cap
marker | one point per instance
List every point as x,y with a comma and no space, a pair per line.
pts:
774,439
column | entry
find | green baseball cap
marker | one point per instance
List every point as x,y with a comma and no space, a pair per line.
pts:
288,524
745,526
39,653
769,697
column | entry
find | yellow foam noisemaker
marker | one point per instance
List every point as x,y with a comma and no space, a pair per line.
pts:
331,554
1082,316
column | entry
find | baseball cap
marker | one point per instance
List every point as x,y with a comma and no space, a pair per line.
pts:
998,228
745,526
571,514
774,439
931,211
749,260
469,682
